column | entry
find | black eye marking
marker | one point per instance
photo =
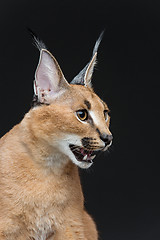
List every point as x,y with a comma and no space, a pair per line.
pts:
87,104
98,131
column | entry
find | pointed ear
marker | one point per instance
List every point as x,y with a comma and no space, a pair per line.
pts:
85,75
49,82
89,71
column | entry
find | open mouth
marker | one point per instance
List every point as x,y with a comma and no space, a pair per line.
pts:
81,154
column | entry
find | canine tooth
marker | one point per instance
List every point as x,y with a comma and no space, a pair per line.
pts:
85,157
92,157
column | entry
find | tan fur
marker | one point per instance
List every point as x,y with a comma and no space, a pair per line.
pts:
40,192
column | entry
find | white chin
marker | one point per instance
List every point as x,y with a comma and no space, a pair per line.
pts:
83,165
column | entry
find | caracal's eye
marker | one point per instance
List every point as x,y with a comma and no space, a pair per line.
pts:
106,115
82,114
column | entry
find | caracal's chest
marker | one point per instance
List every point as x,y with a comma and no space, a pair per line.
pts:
57,224
44,222
43,228
53,208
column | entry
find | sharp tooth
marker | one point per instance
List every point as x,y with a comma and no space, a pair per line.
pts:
85,157
92,157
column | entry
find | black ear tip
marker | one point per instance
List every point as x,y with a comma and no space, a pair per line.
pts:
32,34
37,42
98,42
102,33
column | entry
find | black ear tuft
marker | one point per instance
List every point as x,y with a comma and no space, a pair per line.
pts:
37,42
80,78
98,43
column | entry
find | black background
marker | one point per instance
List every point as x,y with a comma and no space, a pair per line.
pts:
122,188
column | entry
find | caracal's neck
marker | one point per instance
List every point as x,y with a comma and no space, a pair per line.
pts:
45,156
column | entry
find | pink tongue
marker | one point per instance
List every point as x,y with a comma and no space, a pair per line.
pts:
83,153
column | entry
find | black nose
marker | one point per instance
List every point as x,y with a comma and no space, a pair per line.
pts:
106,138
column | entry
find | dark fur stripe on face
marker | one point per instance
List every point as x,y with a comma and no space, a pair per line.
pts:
87,103
87,142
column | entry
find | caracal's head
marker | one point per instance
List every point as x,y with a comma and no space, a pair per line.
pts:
71,118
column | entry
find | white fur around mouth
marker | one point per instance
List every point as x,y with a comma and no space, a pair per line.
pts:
106,148
81,154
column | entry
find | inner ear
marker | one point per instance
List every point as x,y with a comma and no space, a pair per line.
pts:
49,82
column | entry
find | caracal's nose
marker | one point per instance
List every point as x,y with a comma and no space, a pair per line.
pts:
107,138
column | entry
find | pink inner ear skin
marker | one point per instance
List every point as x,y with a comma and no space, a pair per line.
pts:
47,74
49,79
43,83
